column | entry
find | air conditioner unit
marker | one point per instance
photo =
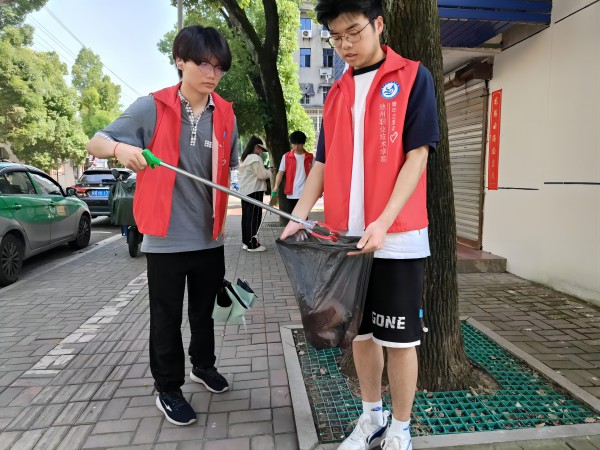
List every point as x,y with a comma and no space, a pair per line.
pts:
306,34
326,72
325,34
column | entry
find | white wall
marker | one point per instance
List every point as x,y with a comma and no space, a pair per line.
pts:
550,132
311,74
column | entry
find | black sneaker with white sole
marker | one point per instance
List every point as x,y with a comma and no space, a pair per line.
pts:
213,380
175,408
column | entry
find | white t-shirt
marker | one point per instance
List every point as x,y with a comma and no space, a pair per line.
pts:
406,245
299,178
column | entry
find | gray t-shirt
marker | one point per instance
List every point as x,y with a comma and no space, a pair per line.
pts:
191,224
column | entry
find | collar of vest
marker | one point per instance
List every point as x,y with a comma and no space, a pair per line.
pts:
170,99
393,61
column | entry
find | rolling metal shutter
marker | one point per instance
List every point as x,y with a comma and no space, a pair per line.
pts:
466,108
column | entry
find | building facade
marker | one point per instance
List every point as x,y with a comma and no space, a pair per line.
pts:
316,60
523,112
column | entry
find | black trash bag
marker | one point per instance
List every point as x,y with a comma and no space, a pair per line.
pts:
330,286
120,202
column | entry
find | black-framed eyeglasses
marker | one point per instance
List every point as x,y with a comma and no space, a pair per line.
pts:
352,37
206,68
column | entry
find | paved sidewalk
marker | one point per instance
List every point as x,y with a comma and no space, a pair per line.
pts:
74,353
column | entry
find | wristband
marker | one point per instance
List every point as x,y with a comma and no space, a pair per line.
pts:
115,150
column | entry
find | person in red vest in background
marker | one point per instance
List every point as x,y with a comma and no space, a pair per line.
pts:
296,164
187,125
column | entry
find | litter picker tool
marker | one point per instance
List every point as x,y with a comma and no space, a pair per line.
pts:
317,229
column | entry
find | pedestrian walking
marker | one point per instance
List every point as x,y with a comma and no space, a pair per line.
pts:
252,177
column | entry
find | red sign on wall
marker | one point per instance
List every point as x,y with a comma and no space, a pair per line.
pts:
494,144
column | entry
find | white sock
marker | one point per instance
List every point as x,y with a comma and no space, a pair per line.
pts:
375,410
398,427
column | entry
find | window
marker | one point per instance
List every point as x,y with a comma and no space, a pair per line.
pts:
305,23
4,186
20,183
325,92
327,57
47,186
305,57
305,100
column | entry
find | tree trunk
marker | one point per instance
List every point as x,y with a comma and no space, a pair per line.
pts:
413,30
264,54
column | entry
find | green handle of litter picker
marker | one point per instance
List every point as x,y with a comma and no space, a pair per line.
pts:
152,160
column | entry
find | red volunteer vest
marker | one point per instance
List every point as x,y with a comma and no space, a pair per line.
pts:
290,169
384,155
154,187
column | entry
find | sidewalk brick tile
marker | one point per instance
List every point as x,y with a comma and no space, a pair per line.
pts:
141,412
70,413
75,437
48,416
260,398
228,444
286,442
280,396
229,405
216,426
265,442
25,418
171,432
250,429
201,401
108,440
278,377
251,384
114,409
283,420
51,438
7,439
255,415
232,395
148,430
116,426
9,394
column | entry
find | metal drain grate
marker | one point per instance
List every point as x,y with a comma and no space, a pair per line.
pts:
526,400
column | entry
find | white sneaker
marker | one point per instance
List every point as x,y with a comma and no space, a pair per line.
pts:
397,442
366,435
244,247
261,248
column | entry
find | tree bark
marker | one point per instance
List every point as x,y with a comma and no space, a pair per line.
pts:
264,54
413,30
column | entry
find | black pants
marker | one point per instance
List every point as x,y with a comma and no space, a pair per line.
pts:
167,275
292,202
251,217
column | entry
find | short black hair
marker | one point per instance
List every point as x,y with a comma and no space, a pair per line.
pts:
198,43
298,137
329,10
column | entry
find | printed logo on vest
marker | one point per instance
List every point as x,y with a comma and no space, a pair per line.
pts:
390,90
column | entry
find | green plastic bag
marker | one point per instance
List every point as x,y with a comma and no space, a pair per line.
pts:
232,302
120,202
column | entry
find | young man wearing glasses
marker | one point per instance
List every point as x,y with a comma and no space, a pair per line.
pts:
187,125
379,125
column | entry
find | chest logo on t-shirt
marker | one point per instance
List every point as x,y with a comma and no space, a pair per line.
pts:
390,90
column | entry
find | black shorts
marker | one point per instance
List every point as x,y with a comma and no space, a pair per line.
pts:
391,314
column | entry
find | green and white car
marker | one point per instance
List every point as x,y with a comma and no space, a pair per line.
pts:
36,215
